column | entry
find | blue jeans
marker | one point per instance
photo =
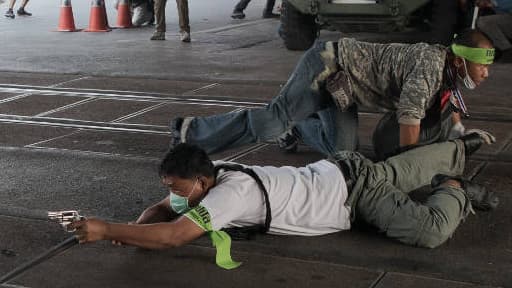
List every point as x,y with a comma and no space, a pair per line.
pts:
300,103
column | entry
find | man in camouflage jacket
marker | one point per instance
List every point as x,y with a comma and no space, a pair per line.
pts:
416,84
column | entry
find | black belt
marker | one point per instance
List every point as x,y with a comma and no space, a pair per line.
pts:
347,174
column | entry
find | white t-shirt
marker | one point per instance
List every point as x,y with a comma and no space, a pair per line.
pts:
304,201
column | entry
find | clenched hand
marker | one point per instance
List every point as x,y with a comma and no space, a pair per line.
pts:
90,230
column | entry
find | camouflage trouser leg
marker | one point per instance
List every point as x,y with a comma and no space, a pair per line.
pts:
379,193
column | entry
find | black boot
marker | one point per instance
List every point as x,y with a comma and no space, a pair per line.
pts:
480,198
23,12
238,14
289,142
175,126
472,142
9,14
238,11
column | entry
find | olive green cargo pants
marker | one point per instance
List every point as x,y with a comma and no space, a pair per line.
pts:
379,193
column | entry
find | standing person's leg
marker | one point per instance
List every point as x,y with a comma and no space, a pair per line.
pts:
238,11
160,28
9,13
11,4
269,7
151,9
300,97
104,8
21,11
184,21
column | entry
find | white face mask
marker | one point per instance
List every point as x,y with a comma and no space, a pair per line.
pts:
468,82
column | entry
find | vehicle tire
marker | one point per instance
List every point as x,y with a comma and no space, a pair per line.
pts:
298,30
444,19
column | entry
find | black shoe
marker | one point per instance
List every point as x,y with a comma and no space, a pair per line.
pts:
472,142
9,14
480,198
157,35
175,126
270,15
22,12
289,142
238,15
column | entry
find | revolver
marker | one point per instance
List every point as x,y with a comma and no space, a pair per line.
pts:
64,218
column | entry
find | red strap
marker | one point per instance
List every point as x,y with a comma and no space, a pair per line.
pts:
445,98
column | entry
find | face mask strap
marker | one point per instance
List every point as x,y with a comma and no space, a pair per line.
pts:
193,186
461,107
468,81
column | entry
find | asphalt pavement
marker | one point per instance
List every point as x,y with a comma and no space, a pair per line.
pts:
83,124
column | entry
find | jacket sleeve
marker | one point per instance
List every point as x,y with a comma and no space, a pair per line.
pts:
420,86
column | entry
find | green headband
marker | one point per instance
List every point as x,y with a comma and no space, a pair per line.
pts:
476,55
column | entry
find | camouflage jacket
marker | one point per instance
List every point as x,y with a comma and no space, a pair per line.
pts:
391,77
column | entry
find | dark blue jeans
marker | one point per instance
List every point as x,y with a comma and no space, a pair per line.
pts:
302,102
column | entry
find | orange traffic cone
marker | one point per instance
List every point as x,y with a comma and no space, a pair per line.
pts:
66,19
124,18
98,17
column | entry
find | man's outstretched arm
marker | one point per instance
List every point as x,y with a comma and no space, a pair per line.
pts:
150,236
160,212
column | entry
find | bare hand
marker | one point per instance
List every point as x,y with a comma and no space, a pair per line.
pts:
90,230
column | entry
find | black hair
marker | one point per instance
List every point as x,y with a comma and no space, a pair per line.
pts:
186,161
471,38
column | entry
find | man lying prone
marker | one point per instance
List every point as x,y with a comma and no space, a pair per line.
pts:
320,198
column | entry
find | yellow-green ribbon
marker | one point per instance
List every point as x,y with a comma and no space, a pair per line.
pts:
475,55
220,239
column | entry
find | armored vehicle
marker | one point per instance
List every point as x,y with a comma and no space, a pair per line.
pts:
301,20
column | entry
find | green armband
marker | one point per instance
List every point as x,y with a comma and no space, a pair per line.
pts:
220,239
